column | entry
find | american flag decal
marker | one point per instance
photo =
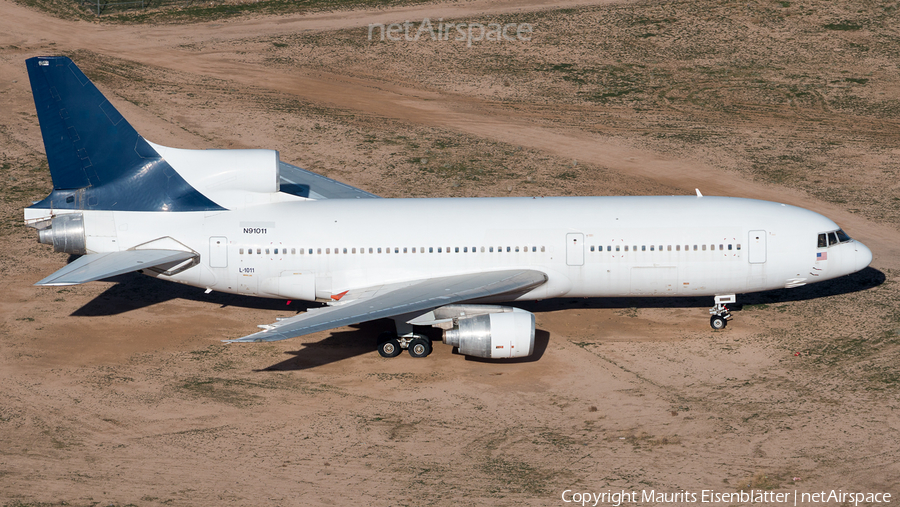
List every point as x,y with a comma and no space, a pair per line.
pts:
821,256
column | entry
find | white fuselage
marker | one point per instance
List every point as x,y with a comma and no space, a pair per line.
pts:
587,246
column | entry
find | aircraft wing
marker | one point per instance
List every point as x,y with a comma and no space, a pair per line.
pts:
90,267
303,183
388,301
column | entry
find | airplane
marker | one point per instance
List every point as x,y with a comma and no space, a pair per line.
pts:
244,222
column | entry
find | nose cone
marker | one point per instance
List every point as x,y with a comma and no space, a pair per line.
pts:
863,257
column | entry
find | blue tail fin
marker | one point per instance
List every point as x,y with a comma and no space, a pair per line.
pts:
97,160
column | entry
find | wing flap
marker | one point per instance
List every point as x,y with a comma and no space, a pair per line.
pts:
411,297
91,267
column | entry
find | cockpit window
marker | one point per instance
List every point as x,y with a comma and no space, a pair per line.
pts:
832,238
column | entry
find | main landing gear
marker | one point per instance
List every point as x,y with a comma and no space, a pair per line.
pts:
391,345
719,313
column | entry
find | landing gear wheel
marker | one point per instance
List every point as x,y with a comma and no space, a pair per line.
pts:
717,322
389,348
420,347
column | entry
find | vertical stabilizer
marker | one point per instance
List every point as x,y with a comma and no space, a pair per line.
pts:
97,160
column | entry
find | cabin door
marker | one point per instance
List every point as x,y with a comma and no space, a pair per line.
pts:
218,252
756,247
575,249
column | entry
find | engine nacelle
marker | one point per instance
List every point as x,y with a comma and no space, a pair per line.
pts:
494,335
66,234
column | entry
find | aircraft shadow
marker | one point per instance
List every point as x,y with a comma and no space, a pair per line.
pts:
133,291
863,280
363,340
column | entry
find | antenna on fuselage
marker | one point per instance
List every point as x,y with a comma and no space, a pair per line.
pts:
698,192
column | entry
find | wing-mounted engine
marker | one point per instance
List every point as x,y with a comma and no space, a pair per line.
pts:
495,332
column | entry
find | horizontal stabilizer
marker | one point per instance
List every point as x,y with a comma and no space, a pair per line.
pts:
303,183
88,268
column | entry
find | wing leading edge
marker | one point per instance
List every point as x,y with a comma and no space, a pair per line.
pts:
381,302
91,267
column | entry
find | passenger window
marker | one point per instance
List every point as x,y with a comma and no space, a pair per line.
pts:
267,251
617,248
660,248
704,247
517,249
482,249
592,248
439,249
465,249
379,250
729,246
609,248
721,246
456,249
387,250
677,248
397,249
626,248
542,249
276,251
508,249
241,251
258,251
832,238
738,246
669,248
431,249
634,248
651,248
294,251
370,250
404,249
695,248
643,248
534,249
353,250
335,250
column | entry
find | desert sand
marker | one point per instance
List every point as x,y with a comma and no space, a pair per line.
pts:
121,392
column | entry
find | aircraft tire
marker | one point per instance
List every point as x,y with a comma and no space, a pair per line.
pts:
717,322
420,347
389,348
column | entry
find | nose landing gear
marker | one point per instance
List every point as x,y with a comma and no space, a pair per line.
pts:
719,313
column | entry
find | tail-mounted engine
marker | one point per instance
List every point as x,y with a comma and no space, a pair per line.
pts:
494,335
66,234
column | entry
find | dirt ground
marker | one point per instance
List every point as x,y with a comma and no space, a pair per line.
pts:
121,393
